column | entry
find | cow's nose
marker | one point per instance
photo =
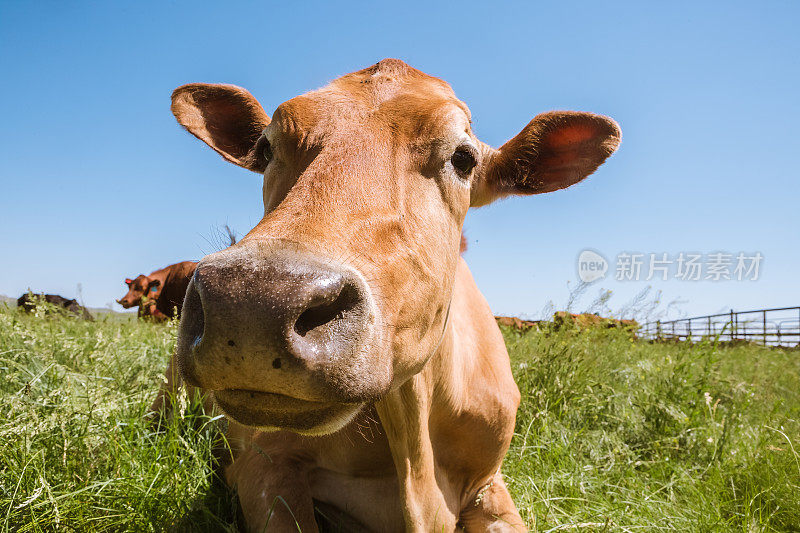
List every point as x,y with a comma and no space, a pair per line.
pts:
245,317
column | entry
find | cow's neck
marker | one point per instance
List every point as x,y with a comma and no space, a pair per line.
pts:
405,415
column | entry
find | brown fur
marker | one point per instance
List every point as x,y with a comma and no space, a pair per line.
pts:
360,176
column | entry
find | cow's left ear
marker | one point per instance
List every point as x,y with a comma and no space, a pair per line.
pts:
153,284
227,118
555,150
128,281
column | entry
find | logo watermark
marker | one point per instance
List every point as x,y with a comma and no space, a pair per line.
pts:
683,266
591,266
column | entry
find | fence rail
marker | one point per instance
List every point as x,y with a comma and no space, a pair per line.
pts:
772,327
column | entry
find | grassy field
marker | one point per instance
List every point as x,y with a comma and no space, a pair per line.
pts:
613,434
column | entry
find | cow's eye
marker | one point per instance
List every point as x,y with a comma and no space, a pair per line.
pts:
463,160
263,150
266,151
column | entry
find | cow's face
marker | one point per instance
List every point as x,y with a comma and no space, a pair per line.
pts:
342,290
140,288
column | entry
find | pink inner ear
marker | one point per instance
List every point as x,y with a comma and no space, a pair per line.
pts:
570,135
128,281
555,150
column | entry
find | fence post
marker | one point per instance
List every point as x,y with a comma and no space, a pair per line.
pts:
688,329
658,330
764,325
733,337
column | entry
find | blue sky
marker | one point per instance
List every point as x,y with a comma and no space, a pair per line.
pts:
99,183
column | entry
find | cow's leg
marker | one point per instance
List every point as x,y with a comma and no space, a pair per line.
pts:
404,414
493,511
167,392
158,316
273,493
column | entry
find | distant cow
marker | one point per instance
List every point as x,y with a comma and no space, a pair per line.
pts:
160,293
27,302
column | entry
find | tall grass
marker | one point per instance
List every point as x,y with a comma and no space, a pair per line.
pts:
613,433
77,451
623,435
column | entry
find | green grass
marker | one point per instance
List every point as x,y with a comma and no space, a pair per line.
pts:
612,434
76,449
623,435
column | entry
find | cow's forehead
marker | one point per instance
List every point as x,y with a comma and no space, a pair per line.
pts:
389,92
392,79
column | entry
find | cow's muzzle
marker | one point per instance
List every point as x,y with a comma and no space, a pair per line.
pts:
281,336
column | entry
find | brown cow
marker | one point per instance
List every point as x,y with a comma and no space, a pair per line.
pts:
159,294
361,370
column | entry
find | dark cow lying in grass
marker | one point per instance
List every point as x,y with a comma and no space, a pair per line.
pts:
28,302
159,294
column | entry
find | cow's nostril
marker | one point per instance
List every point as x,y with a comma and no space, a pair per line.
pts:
320,315
193,316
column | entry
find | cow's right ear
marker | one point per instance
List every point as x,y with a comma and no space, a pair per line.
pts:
128,281
227,118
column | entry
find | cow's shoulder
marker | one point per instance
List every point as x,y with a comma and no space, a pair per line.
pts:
476,398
